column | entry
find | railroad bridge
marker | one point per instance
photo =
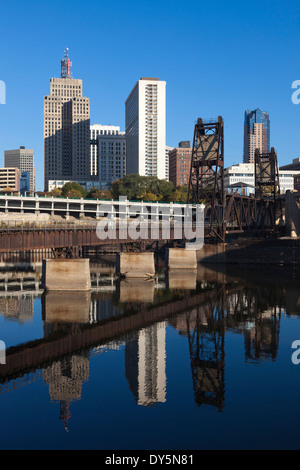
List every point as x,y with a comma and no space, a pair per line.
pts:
224,214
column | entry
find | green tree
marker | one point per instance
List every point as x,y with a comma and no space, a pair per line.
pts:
99,194
149,196
65,192
74,193
180,194
55,192
162,188
137,187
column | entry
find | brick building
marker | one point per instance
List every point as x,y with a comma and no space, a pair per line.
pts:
180,164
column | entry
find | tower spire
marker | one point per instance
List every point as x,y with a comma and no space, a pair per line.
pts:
66,65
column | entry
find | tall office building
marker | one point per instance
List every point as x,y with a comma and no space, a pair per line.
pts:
145,116
23,159
66,129
111,158
256,133
98,149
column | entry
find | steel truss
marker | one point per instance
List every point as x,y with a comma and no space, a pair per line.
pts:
206,183
224,213
267,189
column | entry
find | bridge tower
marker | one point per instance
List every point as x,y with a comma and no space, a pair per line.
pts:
267,188
206,184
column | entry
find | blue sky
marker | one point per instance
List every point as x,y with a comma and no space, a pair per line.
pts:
218,58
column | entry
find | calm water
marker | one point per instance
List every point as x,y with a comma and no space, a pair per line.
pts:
194,361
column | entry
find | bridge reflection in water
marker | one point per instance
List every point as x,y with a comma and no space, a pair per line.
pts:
134,317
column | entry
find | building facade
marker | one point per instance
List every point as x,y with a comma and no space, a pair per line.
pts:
180,164
168,150
241,179
256,133
297,182
96,130
10,178
295,166
24,182
66,130
108,154
145,117
23,159
111,157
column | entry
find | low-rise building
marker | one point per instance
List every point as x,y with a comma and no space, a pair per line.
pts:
10,178
240,178
297,182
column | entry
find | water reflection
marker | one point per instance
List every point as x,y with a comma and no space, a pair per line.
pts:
136,290
133,317
177,280
66,307
145,364
64,379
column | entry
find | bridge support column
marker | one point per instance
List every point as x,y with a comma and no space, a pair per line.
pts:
135,264
292,214
181,258
66,275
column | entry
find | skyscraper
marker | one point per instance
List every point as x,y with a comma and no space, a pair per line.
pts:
23,159
145,110
66,129
256,133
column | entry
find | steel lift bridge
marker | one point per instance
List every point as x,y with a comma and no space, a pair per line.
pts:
258,214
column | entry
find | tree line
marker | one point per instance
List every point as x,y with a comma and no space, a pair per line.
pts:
135,187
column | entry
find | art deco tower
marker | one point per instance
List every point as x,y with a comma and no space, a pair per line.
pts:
66,129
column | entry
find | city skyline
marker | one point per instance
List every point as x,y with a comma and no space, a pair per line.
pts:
189,94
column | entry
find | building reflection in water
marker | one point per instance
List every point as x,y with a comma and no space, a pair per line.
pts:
17,308
223,303
145,365
65,379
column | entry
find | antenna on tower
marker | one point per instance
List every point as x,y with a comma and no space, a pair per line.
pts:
66,65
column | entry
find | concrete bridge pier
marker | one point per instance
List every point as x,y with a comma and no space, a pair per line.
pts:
292,214
181,258
135,265
66,275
